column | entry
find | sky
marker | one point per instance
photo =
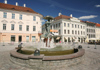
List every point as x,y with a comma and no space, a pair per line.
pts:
86,10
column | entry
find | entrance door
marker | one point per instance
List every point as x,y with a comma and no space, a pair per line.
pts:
20,38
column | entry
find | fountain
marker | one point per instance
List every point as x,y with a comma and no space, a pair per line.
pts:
46,55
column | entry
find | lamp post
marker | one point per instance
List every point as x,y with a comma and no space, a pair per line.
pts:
3,44
3,40
95,45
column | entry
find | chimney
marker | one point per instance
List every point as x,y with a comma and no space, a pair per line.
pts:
59,14
24,5
5,1
16,3
71,15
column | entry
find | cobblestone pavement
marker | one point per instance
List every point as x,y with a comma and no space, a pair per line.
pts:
91,60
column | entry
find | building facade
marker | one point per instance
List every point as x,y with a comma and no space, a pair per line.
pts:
19,24
91,32
69,28
98,31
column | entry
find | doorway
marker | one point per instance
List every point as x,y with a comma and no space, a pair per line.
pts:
20,38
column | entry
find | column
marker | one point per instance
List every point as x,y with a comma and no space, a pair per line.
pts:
16,38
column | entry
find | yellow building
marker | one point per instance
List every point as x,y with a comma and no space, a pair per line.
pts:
19,24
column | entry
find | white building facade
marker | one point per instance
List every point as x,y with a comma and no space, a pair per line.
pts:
69,28
19,24
98,32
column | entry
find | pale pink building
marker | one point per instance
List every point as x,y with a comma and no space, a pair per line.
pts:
19,23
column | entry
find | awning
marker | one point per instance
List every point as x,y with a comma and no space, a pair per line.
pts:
93,39
73,37
57,38
42,38
66,38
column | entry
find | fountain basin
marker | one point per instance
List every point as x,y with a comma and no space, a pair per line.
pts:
43,62
49,53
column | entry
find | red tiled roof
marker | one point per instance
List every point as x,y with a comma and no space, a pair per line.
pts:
17,8
62,17
98,25
87,22
90,22
82,21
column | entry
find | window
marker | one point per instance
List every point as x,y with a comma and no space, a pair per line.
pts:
20,27
34,28
13,38
56,25
72,31
87,30
34,18
75,26
51,26
13,16
59,32
20,17
78,26
4,15
12,26
81,27
94,30
4,26
68,32
64,31
78,32
27,27
68,25
75,32
33,38
89,36
84,33
59,24
27,38
72,25
81,32
64,24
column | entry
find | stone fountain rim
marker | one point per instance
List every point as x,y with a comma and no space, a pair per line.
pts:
15,54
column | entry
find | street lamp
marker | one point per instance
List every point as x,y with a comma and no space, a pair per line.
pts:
95,44
3,44
3,40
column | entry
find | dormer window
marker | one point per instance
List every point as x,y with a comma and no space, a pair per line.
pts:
13,8
28,10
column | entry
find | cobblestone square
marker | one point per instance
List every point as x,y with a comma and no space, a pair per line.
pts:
91,59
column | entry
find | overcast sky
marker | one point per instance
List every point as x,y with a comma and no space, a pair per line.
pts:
86,10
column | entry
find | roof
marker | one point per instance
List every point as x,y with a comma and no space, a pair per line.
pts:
87,22
98,25
90,22
62,17
17,8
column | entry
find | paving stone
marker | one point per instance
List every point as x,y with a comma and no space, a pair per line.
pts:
91,59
